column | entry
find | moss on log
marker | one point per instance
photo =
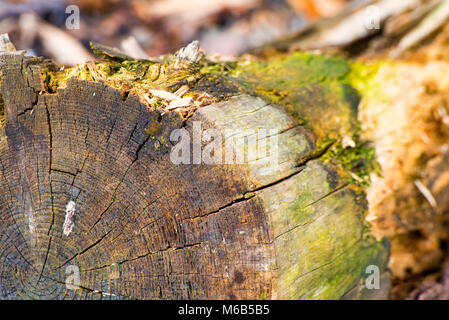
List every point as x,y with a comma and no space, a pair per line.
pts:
87,180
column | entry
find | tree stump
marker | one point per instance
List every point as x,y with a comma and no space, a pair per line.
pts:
94,178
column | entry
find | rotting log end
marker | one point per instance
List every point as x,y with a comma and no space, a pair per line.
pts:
89,180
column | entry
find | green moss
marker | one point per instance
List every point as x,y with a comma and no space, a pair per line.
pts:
310,89
322,93
324,225
364,77
221,68
139,77
298,68
330,246
359,161
330,230
349,270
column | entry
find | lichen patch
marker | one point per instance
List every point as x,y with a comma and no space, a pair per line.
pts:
69,221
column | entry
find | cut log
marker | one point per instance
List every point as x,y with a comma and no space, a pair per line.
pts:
267,201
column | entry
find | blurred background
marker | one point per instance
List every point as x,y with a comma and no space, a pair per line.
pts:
154,27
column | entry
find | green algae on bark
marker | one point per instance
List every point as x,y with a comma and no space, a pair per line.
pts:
322,93
310,88
321,217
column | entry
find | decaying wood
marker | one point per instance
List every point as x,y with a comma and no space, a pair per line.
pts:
404,114
86,180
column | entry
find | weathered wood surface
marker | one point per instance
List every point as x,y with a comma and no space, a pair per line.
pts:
146,228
